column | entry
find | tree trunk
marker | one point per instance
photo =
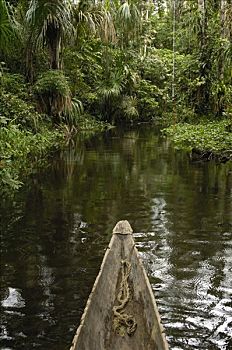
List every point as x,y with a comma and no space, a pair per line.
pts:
54,43
201,5
226,19
202,9
223,15
54,50
205,60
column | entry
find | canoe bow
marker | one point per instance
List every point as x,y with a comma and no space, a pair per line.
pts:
96,330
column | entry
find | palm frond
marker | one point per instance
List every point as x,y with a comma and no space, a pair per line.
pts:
42,14
73,112
129,107
128,12
8,28
112,87
129,22
95,18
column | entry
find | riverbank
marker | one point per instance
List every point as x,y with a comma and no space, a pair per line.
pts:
25,151
204,141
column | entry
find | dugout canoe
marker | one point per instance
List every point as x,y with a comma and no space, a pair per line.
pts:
121,312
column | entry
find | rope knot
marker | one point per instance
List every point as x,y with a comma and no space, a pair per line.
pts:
124,323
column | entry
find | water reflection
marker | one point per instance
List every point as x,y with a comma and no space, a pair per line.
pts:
55,233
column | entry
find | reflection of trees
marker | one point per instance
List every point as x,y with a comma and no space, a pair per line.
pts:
65,219
197,201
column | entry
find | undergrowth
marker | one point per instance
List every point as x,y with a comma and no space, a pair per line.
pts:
213,138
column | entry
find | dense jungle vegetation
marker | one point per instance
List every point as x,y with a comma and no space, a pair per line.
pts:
69,65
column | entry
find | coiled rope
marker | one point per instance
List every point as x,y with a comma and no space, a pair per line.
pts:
124,323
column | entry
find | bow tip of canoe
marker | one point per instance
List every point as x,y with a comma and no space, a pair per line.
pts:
123,227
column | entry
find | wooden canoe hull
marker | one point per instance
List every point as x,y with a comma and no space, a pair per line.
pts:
96,328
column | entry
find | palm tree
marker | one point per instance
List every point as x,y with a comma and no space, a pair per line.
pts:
128,21
50,23
93,18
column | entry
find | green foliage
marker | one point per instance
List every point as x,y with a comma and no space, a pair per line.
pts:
111,43
215,137
111,87
128,23
52,81
49,24
155,85
91,19
155,88
72,114
52,93
113,61
148,95
17,111
7,27
162,31
130,107
14,84
21,154
87,123
83,69
205,36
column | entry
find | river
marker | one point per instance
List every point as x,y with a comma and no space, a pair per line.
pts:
54,234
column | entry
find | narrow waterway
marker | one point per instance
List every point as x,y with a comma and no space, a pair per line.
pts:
54,233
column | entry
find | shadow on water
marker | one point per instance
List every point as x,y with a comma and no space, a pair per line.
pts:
54,234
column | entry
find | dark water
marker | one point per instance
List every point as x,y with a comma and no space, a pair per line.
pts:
53,237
